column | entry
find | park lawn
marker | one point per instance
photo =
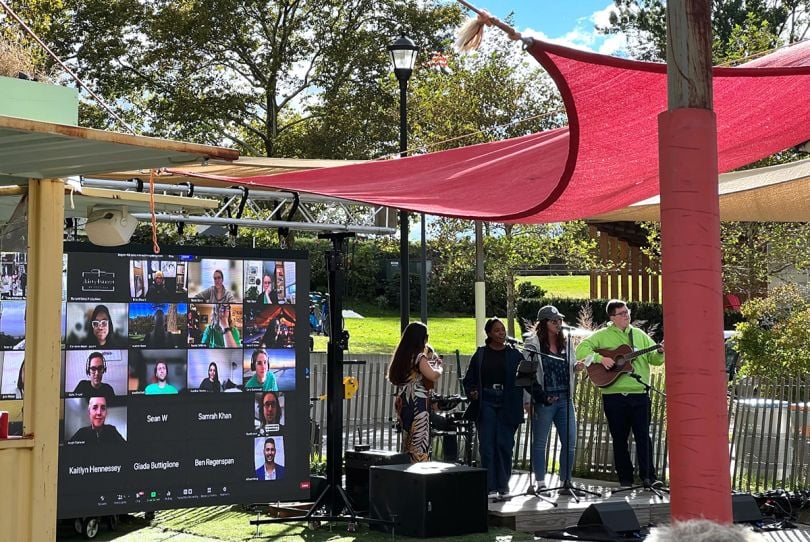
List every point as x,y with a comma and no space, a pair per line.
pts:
381,334
567,286
230,523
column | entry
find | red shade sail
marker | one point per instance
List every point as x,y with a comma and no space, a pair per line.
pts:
605,160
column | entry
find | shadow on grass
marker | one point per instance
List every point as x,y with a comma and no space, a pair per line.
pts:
232,523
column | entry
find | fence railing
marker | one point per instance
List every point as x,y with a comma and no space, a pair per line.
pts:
769,424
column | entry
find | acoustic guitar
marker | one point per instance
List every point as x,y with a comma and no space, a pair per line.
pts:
622,355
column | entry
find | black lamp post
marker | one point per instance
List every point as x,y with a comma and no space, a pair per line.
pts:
403,55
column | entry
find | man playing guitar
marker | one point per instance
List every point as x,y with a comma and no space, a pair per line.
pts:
625,400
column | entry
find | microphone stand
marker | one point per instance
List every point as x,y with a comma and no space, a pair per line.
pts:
567,487
657,491
530,491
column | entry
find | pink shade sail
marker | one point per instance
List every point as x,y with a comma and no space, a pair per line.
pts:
605,160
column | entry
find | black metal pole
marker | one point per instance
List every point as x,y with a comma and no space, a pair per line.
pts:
404,286
338,339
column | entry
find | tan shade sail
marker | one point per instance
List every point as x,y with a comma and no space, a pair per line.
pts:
770,194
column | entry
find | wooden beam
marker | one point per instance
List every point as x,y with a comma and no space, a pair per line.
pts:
43,348
613,249
593,232
624,253
689,54
604,256
635,274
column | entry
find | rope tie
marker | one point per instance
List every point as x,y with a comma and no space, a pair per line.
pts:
471,34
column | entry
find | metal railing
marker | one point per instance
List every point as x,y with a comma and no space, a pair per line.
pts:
769,425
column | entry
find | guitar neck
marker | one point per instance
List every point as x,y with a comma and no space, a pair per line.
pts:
643,351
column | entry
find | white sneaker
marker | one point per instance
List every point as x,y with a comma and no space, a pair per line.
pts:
539,487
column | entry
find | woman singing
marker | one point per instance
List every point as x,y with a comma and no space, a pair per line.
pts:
490,379
409,369
556,376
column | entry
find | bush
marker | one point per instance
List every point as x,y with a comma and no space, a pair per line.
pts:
527,290
774,339
648,316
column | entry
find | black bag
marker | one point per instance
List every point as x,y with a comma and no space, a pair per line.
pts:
472,411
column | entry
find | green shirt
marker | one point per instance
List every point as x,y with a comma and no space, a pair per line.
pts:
269,383
612,337
155,389
213,337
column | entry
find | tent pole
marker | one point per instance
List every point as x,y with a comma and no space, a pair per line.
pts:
480,285
691,266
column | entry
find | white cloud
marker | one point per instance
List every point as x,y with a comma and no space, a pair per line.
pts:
584,35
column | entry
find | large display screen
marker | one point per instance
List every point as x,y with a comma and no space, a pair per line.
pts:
185,378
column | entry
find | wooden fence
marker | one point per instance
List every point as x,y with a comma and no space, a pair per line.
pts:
769,424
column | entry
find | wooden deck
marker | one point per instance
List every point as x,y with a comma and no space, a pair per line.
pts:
527,513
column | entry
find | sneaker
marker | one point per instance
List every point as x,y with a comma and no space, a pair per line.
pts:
654,484
625,485
539,487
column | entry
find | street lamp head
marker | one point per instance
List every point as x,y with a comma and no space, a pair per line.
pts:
403,56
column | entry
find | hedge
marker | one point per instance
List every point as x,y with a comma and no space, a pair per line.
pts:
649,313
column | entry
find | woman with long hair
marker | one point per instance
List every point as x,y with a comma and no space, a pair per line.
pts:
490,380
221,333
556,376
211,382
409,369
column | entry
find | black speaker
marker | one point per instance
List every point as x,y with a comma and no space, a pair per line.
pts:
358,463
429,499
744,508
617,516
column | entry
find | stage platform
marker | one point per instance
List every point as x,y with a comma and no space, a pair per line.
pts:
527,513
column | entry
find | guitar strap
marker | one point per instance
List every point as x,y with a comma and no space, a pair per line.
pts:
630,334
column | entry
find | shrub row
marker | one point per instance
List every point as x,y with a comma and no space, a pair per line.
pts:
648,315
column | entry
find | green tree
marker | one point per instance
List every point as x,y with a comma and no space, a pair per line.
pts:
774,340
644,24
266,77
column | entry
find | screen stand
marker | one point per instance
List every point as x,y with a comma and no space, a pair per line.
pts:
333,503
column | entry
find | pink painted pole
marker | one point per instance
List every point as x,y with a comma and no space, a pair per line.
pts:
697,414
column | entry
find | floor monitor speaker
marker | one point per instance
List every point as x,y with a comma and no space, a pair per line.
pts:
429,499
358,463
744,508
615,516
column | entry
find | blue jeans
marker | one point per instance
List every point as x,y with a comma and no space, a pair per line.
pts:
496,440
559,413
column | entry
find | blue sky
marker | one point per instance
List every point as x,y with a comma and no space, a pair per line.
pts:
570,22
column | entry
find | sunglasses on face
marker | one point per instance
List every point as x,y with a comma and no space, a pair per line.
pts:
99,369
103,324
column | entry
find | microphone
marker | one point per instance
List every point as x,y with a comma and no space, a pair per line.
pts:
567,328
512,340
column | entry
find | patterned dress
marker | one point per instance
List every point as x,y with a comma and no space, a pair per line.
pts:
414,416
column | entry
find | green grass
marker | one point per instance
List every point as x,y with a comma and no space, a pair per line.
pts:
381,334
229,523
568,286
